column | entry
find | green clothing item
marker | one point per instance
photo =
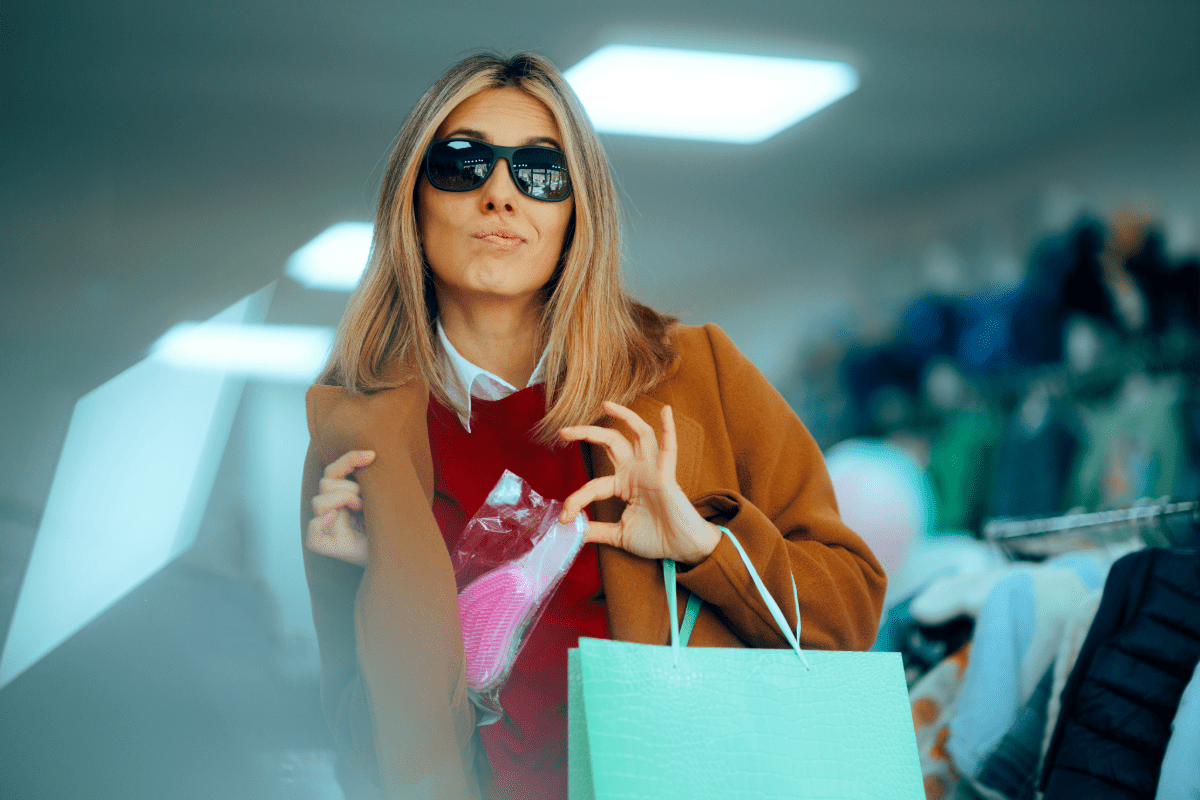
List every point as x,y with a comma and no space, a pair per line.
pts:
1131,452
961,458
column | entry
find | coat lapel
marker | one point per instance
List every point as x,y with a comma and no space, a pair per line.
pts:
633,616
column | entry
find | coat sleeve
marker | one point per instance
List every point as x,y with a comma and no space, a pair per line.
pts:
784,513
392,683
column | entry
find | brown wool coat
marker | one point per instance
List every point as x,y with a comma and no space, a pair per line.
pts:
393,678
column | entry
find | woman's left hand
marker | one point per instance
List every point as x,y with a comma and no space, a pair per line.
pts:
658,522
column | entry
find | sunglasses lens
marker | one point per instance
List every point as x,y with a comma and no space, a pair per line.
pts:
541,173
459,165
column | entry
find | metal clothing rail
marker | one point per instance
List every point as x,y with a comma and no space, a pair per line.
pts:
1044,537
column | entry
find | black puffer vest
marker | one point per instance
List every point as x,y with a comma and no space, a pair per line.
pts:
1123,692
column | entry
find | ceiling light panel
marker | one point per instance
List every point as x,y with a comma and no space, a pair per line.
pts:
687,94
335,259
287,353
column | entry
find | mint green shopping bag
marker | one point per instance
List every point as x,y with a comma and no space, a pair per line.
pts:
659,722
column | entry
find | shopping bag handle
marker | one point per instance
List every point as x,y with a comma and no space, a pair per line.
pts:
682,632
693,607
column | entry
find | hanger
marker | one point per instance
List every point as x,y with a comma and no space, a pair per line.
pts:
1126,528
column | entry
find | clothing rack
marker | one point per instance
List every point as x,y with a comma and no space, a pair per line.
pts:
1155,524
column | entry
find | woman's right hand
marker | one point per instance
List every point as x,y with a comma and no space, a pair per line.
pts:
336,529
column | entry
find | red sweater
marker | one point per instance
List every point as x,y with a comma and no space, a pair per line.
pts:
528,747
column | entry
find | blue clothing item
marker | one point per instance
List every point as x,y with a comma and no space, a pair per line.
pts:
1033,468
872,373
1037,334
1016,639
986,345
1011,769
932,325
1179,778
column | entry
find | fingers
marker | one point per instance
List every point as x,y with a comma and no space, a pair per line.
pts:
618,447
590,492
334,530
335,490
603,533
669,451
330,485
348,463
336,534
645,446
332,501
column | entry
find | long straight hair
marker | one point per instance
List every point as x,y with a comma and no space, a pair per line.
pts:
600,344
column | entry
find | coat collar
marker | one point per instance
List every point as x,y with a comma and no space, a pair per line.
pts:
475,381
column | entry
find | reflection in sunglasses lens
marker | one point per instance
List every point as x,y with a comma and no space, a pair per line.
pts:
459,166
541,174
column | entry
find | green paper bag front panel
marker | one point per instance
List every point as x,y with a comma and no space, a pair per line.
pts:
739,723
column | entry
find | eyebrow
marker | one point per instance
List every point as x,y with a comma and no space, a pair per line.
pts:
471,133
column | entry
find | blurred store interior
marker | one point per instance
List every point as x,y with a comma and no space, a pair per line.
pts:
978,272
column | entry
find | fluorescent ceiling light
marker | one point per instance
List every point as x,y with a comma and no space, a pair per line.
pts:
335,260
685,94
270,352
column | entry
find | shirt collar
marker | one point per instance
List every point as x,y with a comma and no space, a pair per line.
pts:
476,381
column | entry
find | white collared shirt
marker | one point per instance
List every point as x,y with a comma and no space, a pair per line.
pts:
477,381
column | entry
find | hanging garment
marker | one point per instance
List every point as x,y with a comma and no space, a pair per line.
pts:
934,699
1125,688
1038,331
924,647
1135,449
959,595
985,347
1010,770
1180,775
961,456
1135,295
1068,653
873,374
1016,637
940,558
1033,463
1065,277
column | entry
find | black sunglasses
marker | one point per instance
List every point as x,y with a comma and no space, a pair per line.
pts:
461,165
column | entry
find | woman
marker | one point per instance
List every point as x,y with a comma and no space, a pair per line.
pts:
496,266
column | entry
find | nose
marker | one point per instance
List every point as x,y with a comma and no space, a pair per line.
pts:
499,192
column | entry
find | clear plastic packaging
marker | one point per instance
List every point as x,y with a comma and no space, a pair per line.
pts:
508,561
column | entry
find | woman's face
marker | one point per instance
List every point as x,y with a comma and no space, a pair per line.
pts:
493,243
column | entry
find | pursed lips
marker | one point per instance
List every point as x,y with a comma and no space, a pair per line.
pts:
500,238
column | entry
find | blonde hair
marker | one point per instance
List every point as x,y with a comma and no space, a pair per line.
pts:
600,344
